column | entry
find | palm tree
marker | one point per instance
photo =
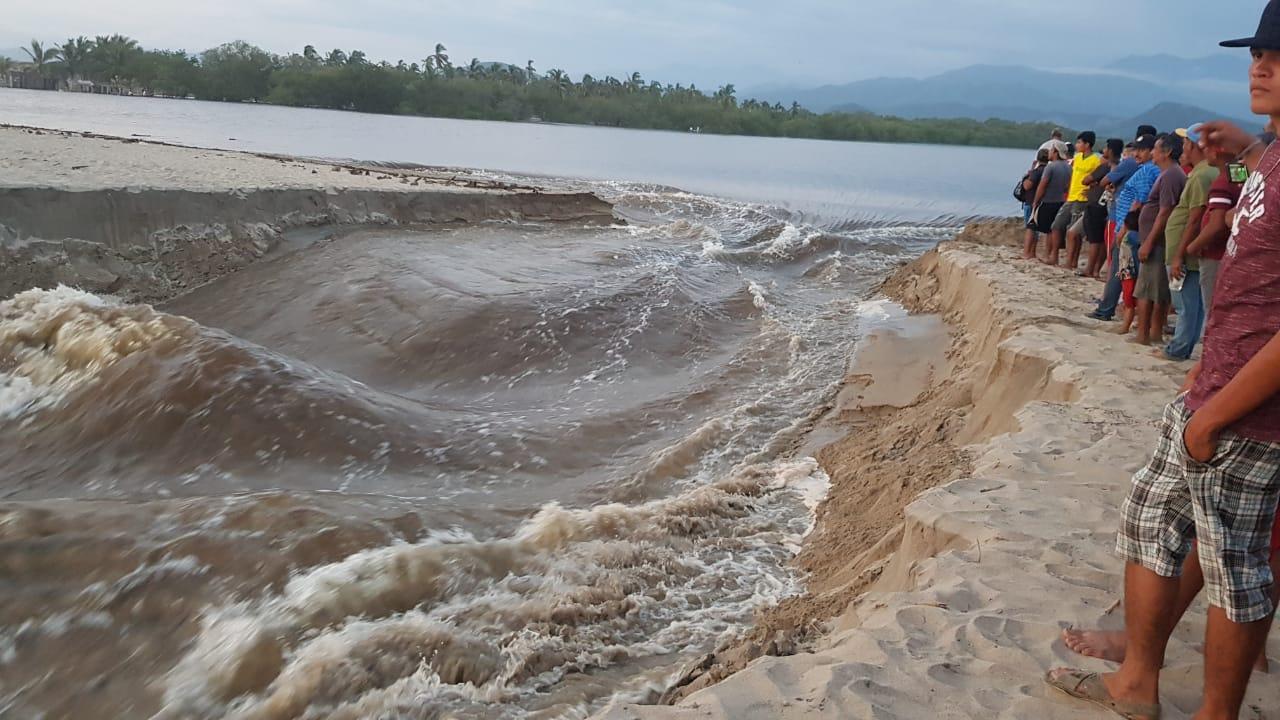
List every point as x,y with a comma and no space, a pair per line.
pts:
357,57
113,54
335,57
560,79
41,58
475,68
309,52
529,72
725,95
635,82
5,66
76,54
441,59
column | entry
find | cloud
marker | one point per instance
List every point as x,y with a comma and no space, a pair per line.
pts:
708,42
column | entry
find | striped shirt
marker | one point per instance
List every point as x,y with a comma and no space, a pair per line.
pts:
1137,188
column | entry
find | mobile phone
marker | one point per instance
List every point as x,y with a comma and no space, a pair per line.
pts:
1237,172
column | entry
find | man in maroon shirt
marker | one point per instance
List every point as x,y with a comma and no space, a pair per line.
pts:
1215,475
1211,244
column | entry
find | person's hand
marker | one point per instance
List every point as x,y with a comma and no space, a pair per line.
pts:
1192,375
1200,438
1144,252
1220,136
1176,270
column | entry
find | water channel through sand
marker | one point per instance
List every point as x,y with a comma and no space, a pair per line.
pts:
494,470
484,471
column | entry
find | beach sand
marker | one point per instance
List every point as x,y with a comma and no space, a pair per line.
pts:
1011,466
71,161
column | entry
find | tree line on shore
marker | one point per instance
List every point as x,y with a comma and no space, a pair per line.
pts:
436,87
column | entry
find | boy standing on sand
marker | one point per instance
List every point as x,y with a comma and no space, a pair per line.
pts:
1215,476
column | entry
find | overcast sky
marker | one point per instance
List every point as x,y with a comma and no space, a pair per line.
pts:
748,42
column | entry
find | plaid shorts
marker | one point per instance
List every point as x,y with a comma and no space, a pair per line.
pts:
1227,504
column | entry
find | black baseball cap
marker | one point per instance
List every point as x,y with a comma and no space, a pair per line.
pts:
1146,130
1145,142
1268,35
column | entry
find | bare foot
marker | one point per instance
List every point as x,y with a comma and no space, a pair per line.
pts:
1122,330
1103,644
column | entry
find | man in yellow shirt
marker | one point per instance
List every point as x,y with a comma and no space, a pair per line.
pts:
1070,218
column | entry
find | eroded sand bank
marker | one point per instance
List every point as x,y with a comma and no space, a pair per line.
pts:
955,609
146,221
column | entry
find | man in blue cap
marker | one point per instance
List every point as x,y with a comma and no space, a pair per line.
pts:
1215,474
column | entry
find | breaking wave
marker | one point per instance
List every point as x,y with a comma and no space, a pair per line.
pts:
493,471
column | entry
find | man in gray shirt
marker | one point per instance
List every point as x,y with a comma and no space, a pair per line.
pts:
1050,196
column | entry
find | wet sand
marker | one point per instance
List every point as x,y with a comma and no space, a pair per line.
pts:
956,608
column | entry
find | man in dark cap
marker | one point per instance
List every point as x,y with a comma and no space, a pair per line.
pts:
1215,474
1116,180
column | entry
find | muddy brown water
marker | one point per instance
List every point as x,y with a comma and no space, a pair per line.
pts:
493,471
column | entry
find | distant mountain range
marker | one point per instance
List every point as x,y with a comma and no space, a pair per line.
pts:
1106,99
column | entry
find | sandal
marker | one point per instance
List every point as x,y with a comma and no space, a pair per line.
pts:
1088,686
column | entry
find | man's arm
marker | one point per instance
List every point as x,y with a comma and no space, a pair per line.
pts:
1189,234
1044,185
1215,231
1255,384
1157,230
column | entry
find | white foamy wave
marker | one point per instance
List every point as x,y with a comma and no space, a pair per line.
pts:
485,622
787,240
54,341
714,250
759,297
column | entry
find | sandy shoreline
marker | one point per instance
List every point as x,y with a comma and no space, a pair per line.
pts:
955,610
148,221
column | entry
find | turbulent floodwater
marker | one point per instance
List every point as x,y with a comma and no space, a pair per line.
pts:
499,471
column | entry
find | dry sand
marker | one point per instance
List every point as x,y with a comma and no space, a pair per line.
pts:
148,222
32,157
955,608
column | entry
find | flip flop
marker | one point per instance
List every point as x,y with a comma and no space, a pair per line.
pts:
1088,686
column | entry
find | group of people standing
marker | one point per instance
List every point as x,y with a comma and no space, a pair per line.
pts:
1192,226
1153,215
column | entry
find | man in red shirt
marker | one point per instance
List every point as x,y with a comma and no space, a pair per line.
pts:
1215,229
1215,474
